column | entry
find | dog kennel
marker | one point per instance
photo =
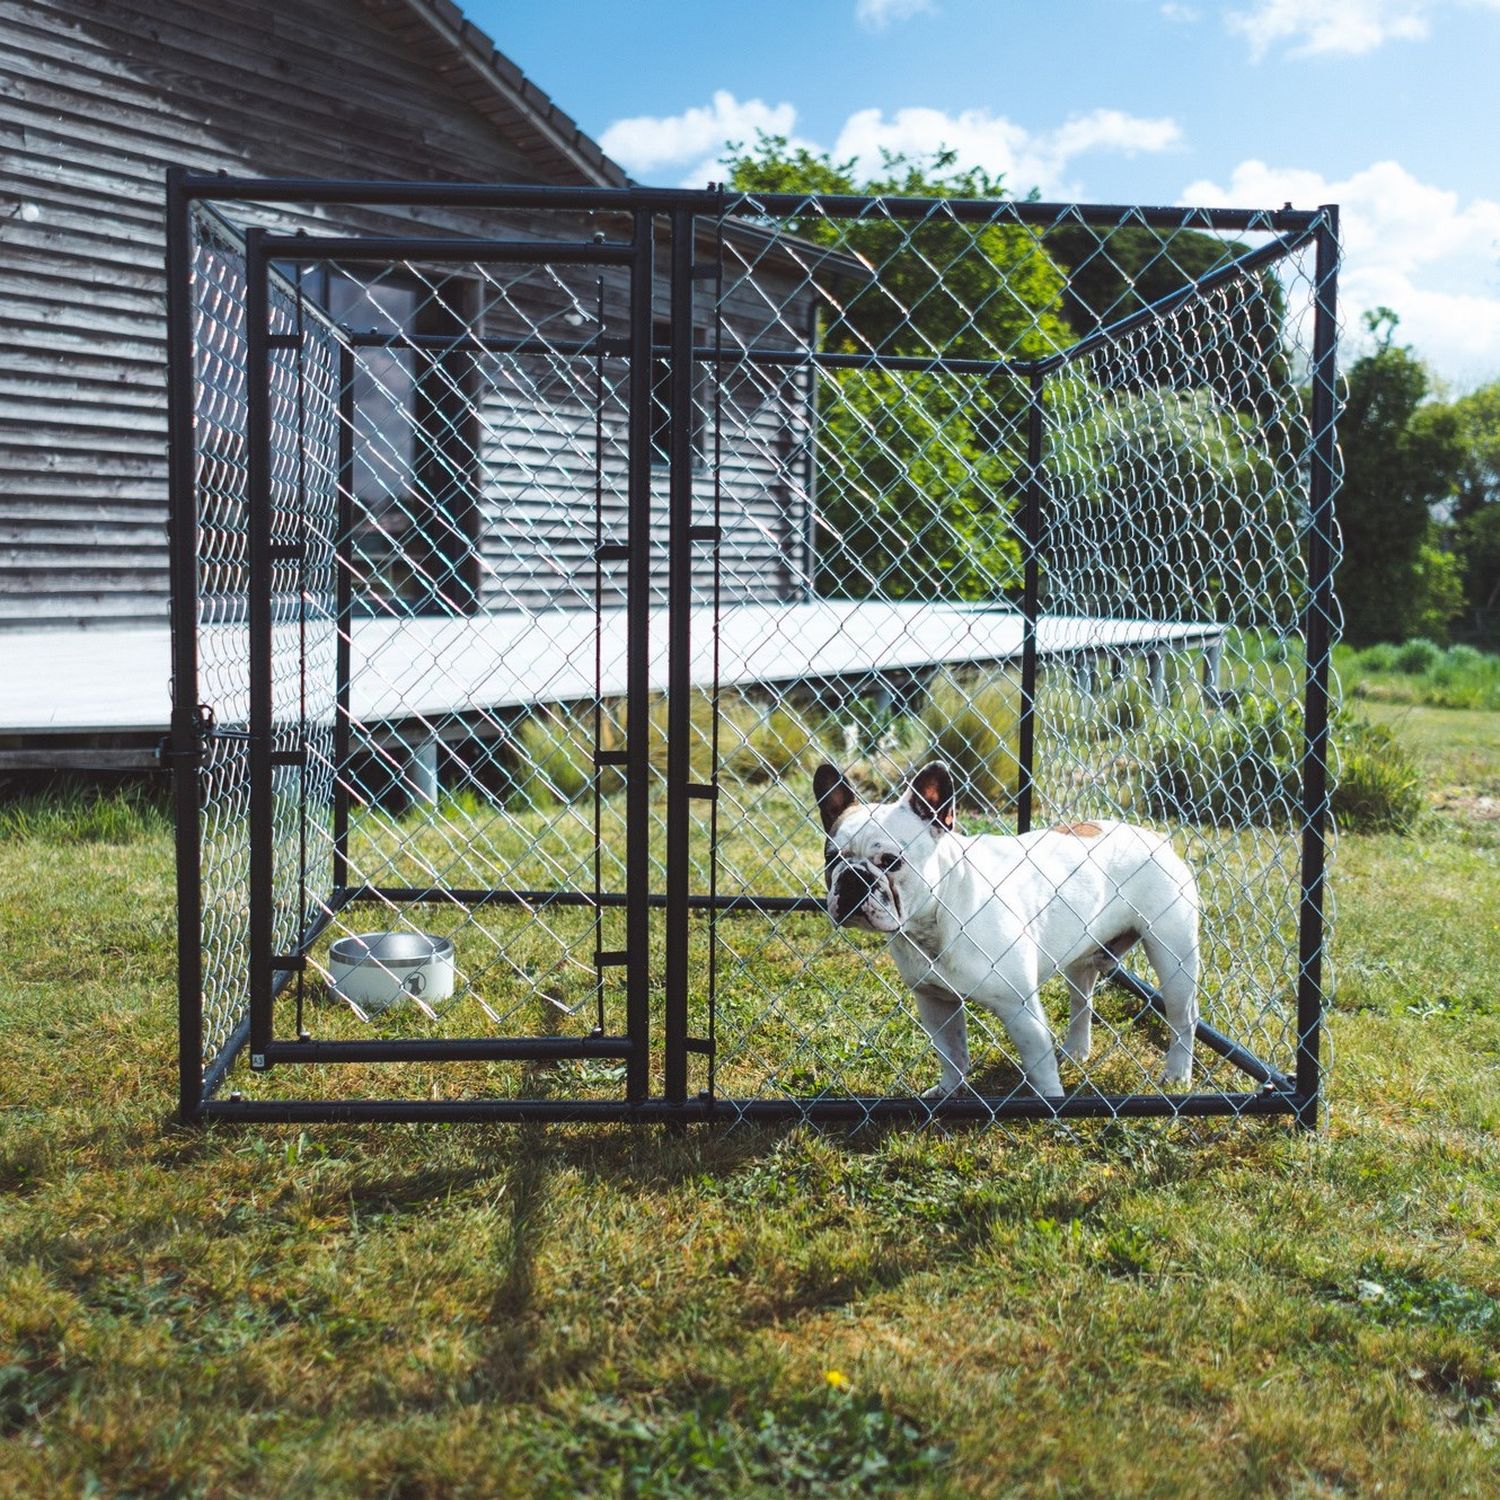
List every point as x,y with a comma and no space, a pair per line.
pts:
531,546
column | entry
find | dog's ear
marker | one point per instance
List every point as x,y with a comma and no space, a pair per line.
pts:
835,795
931,795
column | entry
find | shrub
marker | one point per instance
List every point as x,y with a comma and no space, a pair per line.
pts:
1238,768
1243,769
973,722
1378,787
1416,656
1380,658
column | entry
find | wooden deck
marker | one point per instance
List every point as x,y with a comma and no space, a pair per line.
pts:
66,696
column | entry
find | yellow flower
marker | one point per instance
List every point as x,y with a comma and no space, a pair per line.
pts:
836,1379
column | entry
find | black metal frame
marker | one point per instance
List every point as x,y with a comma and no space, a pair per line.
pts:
685,211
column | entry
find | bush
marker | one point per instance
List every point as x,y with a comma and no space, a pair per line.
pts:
1417,656
1381,658
1238,768
1243,769
757,742
1378,786
974,723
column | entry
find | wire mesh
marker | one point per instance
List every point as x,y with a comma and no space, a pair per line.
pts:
1023,491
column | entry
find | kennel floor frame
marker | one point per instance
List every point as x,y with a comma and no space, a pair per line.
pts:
200,1093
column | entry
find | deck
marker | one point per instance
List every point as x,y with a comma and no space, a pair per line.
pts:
100,698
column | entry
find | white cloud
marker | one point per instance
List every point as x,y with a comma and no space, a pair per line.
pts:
876,15
650,143
1026,158
655,145
1311,28
1408,245
1173,10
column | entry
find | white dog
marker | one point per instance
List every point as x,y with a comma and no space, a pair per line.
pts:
990,918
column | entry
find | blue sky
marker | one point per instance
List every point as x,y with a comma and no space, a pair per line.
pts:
1387,107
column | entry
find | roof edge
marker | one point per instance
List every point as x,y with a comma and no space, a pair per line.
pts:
477,50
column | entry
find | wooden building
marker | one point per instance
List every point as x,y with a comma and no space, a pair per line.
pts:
100,96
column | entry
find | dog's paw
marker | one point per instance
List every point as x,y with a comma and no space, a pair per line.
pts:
943,1090
1076,1050
1177,1078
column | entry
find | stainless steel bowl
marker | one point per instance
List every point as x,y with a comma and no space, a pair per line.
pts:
376,970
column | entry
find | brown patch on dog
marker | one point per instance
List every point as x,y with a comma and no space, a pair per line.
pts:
1078,830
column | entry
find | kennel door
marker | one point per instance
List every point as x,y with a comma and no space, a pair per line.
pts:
460,750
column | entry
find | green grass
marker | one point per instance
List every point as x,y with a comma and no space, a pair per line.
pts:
475,1311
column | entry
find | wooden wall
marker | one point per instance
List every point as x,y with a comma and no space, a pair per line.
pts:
97,97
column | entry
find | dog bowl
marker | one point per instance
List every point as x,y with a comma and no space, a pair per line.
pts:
376,970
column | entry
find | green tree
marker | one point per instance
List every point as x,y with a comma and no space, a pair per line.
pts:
916,468
1401,458
1115,272
1166,504
1476,510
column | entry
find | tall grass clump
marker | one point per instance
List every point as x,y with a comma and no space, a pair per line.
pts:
1242,768
974,723
758,741
86,815
1235,768
1379,787
1416,656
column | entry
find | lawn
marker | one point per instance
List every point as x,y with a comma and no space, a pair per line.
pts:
449,1311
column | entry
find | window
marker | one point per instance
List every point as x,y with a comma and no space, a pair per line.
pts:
414,541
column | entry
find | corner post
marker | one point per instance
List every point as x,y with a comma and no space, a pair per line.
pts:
186,728
1318,621
258,525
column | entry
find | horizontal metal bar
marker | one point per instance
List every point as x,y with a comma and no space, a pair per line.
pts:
412,895
387,193
1212,1038
380,248
821,359
450,1049
1013,210
476,343
848,1111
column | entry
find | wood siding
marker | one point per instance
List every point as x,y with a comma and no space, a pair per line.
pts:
97,97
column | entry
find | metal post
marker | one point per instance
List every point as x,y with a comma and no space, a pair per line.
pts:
185,737
638,672
1031,529
258,526
679,647
1318,636
343,584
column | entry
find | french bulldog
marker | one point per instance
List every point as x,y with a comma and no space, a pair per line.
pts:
989,918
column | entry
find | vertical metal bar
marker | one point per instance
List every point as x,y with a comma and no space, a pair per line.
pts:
258,526
638,671
810,466
718,603
679,648
301,531
599,656
1318,638
343,584
1031,531
185,737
